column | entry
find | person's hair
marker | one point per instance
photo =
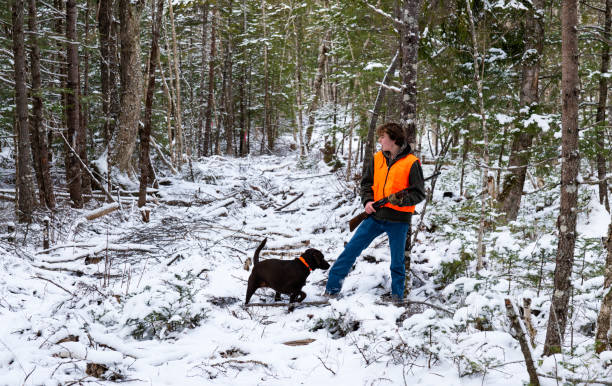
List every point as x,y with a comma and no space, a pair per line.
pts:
394,131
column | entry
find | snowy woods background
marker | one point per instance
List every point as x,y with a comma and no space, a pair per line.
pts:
147,147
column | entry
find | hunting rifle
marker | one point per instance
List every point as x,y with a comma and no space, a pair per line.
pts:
355,221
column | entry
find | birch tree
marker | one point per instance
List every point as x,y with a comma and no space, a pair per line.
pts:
409,46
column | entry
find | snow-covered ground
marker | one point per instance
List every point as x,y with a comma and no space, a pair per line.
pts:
161,303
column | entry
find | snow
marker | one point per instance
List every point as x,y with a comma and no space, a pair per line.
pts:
511,4
373,65
171,311
593,221
503,119
543,121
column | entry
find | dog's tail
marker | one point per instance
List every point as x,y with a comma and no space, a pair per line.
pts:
259,248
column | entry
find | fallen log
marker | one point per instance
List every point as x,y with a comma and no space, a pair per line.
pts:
577,380
290,202
521,335
304,304
299,342
94,214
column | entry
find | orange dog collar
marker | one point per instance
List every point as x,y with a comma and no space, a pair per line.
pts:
305,263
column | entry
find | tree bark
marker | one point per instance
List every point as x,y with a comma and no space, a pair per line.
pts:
203,73
211,86
84,114
602,343
514,181
169,110
104,36
73,168
297,34
349,170
601,110
145,131
266,131
370,140
24,180
566,223
131,83
243,148
177,88
40,149
483,126
316,89
409,46
228,87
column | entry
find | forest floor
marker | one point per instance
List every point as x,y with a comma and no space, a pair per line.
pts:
116,299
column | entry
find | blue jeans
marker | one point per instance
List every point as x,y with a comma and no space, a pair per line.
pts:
369,229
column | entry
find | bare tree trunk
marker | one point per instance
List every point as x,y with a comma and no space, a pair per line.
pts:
228,89
25,181
177,88
145,131
243,143
211,86
104,36
566,223
202,81
602,343
350,143
297,34
266,131
59,55
316,89
73,168
169,110
465,152
115,86
370,140
131,83
601,110
409,46
40,150
483,120
84,115
514,181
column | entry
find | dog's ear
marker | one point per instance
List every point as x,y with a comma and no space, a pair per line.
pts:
315,255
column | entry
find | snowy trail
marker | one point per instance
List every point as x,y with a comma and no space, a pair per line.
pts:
161,302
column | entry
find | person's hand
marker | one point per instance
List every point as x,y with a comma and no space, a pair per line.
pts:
369,208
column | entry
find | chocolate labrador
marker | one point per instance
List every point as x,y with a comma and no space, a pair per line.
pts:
284,276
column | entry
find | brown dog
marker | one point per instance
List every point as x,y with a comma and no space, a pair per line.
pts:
284,276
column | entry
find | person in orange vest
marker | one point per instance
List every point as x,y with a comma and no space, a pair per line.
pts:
392,169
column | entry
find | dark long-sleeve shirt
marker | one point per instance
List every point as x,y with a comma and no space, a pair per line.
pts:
412,197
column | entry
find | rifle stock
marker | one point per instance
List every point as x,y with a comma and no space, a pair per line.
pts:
355,221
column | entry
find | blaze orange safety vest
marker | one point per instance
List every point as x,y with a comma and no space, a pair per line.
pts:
391,180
